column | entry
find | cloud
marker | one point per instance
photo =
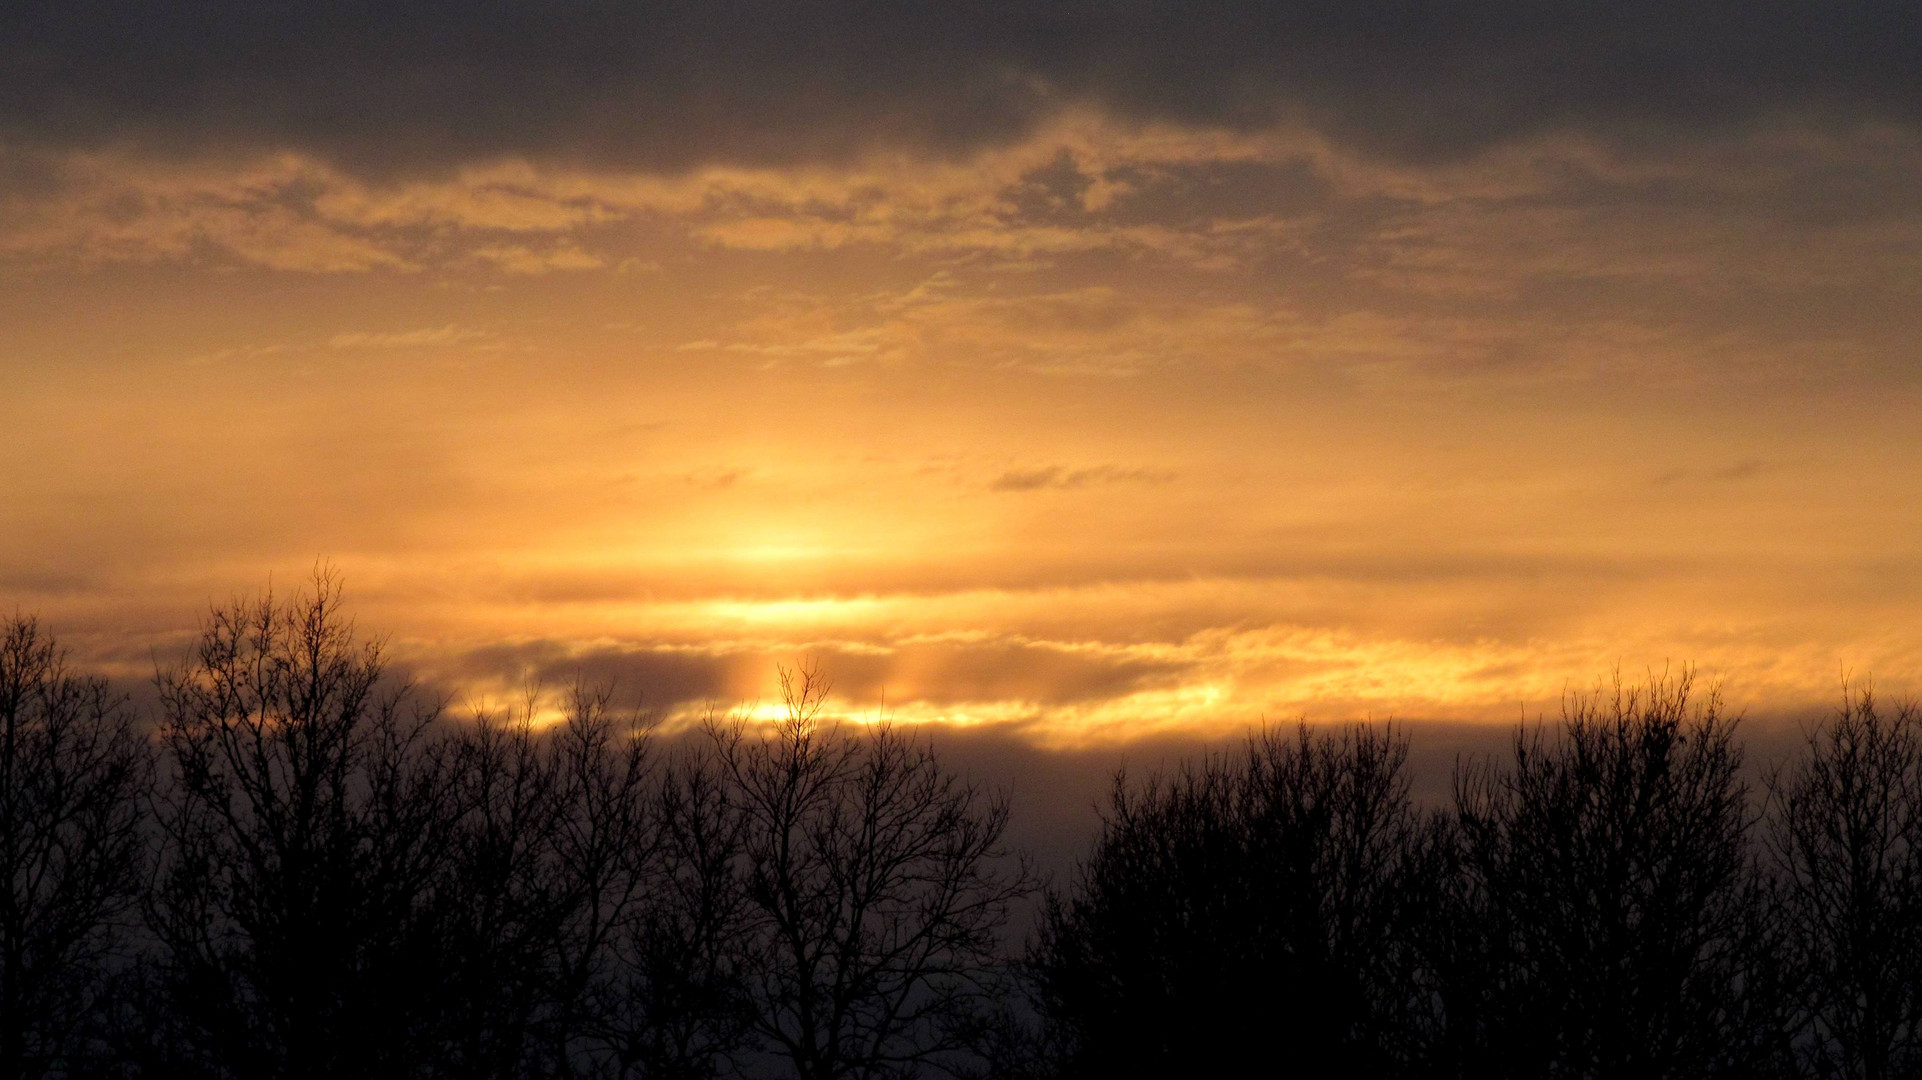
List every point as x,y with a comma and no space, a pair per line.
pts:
1735,472
1203,246
1207,682
404,339
1060,477
917,672
658,678
297,211
715,478
522,259
434,83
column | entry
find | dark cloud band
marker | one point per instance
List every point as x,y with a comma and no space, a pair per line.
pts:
943,674
670,85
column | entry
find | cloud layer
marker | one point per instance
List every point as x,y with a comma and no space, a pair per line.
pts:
428,85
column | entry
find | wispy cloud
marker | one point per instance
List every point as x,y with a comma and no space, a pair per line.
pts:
1063,478
405,339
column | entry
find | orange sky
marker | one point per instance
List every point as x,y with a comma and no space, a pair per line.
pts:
1115,427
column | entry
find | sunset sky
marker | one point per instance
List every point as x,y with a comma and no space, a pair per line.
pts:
1096,370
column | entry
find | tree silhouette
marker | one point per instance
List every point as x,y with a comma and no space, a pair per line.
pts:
1249,909
350,885
673,1003
608,856
304,826
333,880
874,892
73,772
500,900
1606,899
1846,837
553,853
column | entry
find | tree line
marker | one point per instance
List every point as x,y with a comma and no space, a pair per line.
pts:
298,867
1611,901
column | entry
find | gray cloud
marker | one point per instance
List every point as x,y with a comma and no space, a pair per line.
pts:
424,85
655,678
938,673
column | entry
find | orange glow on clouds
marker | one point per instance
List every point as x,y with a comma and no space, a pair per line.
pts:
1115,430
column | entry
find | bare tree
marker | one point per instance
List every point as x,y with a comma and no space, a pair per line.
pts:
73,770
1245,909
605,854
593,903
552,853
672,1002
501,899
304,826
1846,837
876,892
1607,889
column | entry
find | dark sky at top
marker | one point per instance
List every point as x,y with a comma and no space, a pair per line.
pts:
416,86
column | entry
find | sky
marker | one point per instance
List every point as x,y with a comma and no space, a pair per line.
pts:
1087,373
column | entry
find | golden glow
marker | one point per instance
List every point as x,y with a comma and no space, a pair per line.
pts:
1115,431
